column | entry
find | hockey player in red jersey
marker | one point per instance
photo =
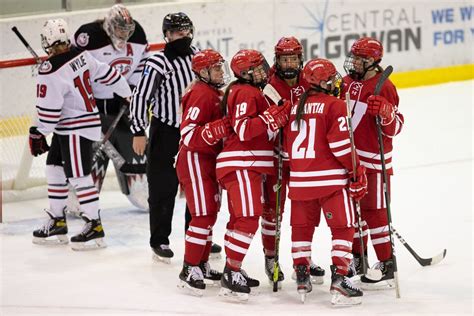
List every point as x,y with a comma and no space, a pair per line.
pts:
363,72
247,156
66,107
202,130
320,157
287,79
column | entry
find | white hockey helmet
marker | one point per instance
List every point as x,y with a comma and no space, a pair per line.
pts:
119,25
54,32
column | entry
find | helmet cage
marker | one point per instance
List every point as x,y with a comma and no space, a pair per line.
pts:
119,25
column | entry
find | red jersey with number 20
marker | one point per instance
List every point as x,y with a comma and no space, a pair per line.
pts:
319,149
65,93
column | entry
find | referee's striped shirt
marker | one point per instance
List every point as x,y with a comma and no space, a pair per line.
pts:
162,84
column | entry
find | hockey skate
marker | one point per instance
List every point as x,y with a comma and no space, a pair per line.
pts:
344,293
269,268
385,282
316,273
91,237
53,231
215,252
303,281
356,266
211,276
234,285
192,280
162,253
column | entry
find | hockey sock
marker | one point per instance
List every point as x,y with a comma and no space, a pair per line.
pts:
268,224
341,253
356,242
197,239
379,233
57,189
87,195
238,241
301,238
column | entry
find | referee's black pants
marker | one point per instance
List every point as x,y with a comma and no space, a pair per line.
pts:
162,179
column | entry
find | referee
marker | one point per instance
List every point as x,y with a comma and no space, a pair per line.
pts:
164,80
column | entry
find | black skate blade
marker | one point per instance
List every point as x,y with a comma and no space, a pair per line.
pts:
55,240
189,289
233,296
93,244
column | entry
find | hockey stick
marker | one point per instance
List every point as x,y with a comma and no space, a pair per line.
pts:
27,45
271,92
385,74
422,261
353,155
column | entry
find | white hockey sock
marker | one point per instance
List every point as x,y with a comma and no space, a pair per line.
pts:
87,195
57,189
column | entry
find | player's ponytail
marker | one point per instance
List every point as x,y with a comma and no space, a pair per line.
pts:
300,108
226,96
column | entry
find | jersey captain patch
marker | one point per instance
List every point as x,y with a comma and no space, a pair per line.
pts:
82,39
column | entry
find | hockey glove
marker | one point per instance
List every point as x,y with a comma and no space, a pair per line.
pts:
378,105
216,130
37,141
358,188
276,116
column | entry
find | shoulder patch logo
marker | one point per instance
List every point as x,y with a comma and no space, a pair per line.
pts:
82,39
45,67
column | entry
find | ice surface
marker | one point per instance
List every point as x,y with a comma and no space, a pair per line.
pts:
432,210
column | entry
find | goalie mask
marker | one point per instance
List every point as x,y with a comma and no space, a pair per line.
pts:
250,66
322,75
211,68
54,32
119,26
358,61
288,58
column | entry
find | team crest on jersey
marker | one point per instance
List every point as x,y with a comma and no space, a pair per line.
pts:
82,39
45,66
122,64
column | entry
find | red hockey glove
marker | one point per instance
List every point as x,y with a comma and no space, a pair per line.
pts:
216,130
358,188
37,141
276,116
378,105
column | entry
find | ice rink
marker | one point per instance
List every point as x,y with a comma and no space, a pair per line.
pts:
431,208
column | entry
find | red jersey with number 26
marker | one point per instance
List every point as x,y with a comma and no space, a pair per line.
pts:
319,149
65,93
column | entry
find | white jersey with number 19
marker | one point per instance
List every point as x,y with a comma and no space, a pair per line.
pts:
65,93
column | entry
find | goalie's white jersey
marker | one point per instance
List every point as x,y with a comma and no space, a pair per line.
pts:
65,93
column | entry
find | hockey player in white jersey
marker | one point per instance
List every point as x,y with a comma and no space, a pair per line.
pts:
119,41
66,107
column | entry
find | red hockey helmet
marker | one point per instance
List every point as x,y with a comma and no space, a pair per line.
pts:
206,59
288,46
245,60
367,47
317,70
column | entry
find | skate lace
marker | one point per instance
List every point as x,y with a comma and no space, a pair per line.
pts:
347,282
207,269
195,273
49,223
378,266
165,247
238,278
87,227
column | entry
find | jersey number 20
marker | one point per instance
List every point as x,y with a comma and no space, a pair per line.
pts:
85,89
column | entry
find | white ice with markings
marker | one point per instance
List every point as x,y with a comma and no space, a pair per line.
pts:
432,210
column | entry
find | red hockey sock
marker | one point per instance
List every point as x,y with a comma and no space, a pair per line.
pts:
379,233
196,239
268,223
356,242
238,240
301,238
341,252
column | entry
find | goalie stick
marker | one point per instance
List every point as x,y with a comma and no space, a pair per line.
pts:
271,92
